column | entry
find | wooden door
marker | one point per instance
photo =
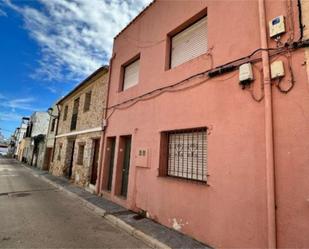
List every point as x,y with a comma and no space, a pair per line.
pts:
126,166
111,144
71,147
95,162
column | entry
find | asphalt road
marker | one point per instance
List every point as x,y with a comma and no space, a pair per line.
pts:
33,214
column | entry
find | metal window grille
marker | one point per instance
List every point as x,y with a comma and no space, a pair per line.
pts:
187,154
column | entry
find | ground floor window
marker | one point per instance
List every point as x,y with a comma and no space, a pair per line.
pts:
80,155
59,152
184,154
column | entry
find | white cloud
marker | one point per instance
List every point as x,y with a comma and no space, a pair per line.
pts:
10,116
18,103
2,13
75,36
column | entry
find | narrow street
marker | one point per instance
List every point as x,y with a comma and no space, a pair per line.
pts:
34,214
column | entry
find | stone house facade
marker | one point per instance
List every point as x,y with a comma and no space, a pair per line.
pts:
79,131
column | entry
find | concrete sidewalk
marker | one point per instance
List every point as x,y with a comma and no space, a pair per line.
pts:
150,232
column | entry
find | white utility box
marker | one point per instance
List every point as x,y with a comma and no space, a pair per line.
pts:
276,26
245,72
277,69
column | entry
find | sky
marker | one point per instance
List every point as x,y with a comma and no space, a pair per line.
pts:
49,46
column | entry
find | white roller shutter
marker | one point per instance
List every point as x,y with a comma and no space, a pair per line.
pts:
130,77
189,43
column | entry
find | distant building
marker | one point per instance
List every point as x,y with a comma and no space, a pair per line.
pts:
80,129
19,135
50,138
2,139
33,150
3,145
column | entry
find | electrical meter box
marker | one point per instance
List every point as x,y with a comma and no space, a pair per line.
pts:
245,73
276,26
142,158
277,69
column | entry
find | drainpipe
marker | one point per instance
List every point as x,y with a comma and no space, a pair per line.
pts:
269,139
101,166
56,132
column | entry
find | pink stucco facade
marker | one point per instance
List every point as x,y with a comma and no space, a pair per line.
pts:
231,209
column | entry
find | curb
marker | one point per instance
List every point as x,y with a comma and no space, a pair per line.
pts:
150,241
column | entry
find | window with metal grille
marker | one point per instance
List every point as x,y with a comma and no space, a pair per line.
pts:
189,43
187,154
65,113
131,74
80,155
87,101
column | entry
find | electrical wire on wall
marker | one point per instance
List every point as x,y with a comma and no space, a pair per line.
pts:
251,90
291,80
218,71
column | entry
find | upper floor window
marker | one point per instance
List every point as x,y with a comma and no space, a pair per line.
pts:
74,114
189,43
52,128
131,74
87,101
65,113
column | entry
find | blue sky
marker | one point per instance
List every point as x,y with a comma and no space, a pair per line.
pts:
49,46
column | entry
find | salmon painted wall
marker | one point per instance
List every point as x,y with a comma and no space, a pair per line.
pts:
230,211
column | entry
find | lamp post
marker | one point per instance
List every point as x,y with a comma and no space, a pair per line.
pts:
50,111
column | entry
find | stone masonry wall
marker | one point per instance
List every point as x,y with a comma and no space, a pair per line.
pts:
93,117
58,165
81,172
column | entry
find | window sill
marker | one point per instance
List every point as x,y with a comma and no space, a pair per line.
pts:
170,68
121,197
185,180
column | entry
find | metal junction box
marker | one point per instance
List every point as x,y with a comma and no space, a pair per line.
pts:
277,69
245,72
276,26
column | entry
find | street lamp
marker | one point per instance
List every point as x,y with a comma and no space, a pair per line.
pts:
50,112
55,117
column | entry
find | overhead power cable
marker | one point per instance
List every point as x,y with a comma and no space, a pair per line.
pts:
217,71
